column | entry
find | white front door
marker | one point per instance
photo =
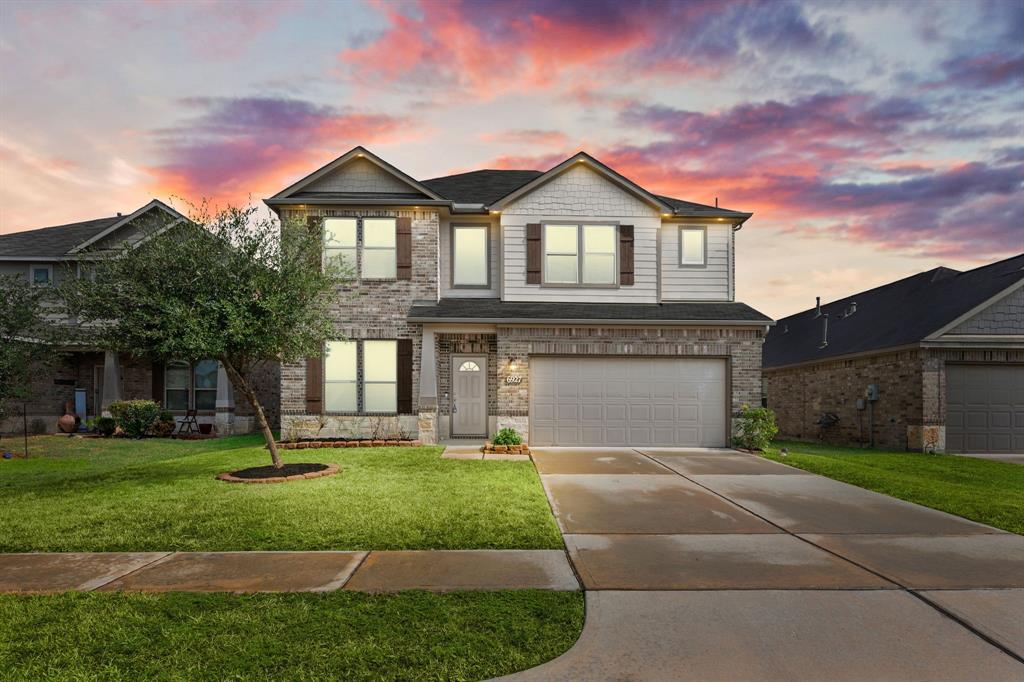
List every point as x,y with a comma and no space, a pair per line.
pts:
469,395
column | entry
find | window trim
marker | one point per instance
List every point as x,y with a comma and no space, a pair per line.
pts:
361,245
454,227
360,382
580,255
40,266
692,228
190,388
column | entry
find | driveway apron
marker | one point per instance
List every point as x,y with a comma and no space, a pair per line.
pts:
718,565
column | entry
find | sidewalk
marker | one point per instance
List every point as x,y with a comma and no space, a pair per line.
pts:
436,571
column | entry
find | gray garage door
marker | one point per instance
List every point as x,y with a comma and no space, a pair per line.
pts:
627,401
985,408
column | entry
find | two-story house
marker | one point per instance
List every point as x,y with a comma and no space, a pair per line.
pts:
571,304
90,379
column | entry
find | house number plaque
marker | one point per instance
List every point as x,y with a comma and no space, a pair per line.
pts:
513,380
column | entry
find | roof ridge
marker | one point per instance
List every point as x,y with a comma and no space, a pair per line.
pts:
989,265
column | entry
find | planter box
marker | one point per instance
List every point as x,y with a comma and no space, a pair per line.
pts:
523,449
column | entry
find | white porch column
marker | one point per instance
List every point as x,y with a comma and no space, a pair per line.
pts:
225,417
428,370
111,382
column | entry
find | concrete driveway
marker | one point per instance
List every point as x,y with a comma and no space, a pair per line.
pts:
718,565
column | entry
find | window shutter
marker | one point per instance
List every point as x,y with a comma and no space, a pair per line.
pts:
625,254
315,385
533,254
403,248
158,381
315,225
404,372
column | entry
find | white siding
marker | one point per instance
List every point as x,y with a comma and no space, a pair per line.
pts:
582,195
445,247
359,175
711,283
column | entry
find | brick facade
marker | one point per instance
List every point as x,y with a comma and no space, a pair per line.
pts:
374,309
910,412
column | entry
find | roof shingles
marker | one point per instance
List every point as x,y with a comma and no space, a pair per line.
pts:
52,242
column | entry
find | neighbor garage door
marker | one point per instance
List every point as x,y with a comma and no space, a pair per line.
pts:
985,408
627,401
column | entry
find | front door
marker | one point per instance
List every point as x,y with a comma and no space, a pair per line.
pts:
469,395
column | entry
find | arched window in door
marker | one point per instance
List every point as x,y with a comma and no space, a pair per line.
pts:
469,366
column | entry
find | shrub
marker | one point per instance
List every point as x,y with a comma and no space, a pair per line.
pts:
507,436
105,426
164,424
755,429
135,417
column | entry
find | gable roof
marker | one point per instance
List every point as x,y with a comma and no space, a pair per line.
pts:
358,152
484,190
593,164
62,241
901,313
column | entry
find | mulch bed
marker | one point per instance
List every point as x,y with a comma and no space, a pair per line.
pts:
268,474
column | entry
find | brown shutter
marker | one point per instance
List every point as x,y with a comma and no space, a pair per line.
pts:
625,254
158,381
403,248
314,385
533,254
315,225
404,376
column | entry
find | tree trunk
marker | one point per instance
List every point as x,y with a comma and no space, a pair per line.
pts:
250,395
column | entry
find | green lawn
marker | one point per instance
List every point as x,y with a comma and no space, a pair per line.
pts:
78,494
339,635
977,489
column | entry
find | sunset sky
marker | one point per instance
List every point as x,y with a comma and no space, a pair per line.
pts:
871,140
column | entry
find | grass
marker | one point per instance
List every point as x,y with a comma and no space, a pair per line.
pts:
77,494
981,490
339,635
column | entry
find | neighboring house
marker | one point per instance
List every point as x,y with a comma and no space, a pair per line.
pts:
572,305
89,379
943,349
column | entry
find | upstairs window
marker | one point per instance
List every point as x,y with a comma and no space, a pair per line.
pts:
692,246
41,275
580,254
469,256
343,238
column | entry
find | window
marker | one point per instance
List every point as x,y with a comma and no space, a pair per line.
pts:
692,246
205,381
378,389
469,366
379,252
41,275
378,238
580,254
340,376
190,387
176,386
340,242
469,256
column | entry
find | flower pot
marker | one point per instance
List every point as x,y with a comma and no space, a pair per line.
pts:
206,429
66,423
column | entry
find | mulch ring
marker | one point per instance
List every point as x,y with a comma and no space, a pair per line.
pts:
268,474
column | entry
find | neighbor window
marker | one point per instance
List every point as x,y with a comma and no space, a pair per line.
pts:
343,236
340,242
374,389
469,255
379,252
42,275
692,246
580,254
190,386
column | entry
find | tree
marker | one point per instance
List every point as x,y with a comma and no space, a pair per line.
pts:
235,286
26,338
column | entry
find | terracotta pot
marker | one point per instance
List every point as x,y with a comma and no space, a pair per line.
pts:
66,423
206,429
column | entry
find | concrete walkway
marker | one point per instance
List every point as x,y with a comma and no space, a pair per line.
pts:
717,565
437,571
